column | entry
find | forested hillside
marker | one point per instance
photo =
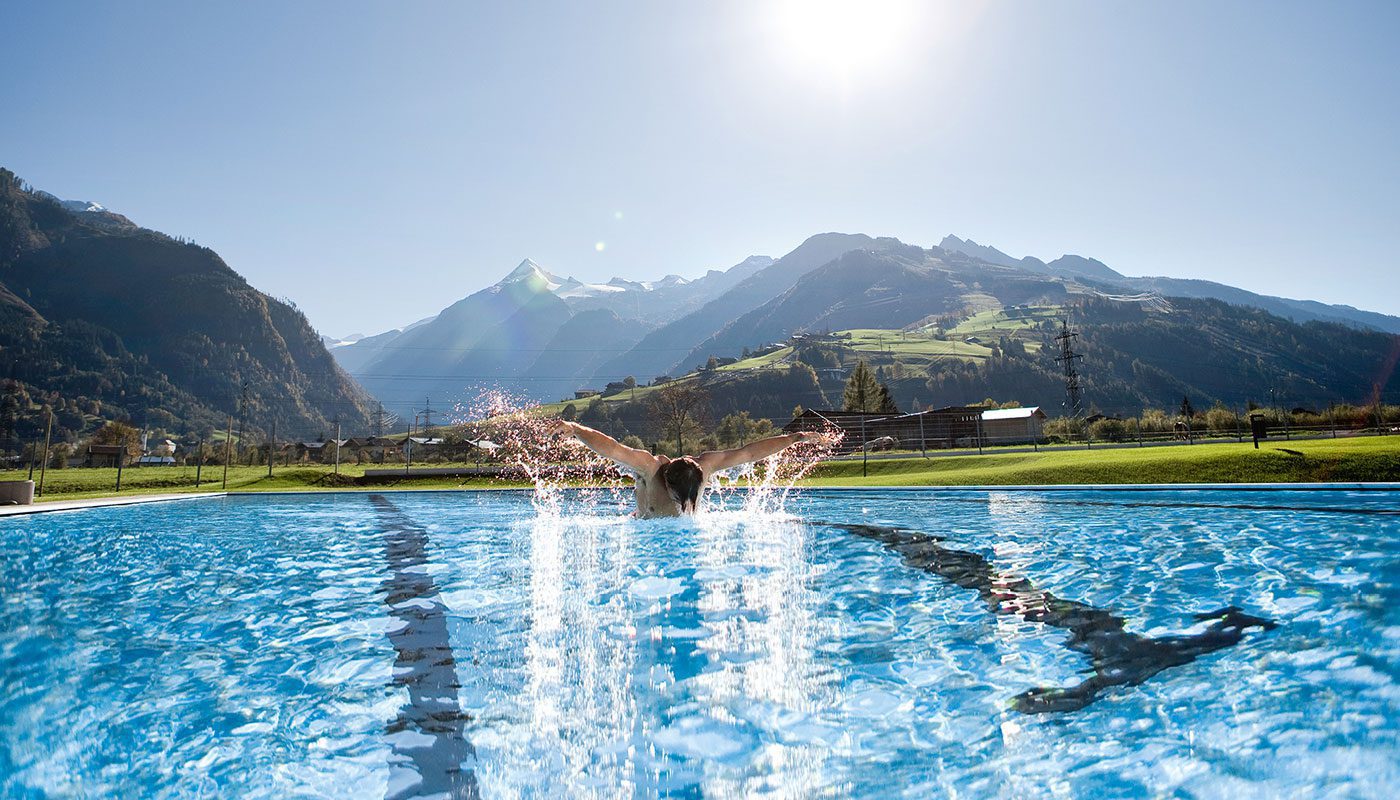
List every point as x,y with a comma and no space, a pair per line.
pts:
104,320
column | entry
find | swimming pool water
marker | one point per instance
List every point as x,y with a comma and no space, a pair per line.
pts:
866,644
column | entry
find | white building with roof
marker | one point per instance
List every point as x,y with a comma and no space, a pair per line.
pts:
1013,425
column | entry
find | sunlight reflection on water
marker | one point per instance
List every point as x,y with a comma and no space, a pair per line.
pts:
241,646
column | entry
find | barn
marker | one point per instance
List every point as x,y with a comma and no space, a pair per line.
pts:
1013,425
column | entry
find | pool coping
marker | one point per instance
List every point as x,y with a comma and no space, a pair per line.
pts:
102,502
106,502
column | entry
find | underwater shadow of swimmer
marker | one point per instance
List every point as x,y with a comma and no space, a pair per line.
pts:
1118,657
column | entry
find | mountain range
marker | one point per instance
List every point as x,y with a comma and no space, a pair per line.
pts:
103,319
543,336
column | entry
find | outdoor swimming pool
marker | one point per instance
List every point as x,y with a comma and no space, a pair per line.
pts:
927,643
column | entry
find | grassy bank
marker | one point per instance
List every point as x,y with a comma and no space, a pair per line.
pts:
1344,460
1322,460
78,484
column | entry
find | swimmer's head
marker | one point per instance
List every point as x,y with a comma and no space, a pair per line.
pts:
683,479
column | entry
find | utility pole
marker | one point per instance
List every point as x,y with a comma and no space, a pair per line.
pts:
270,445
1067,358
242,413
44,465
864,450
121,460
923,439
199,465
337,444
228,448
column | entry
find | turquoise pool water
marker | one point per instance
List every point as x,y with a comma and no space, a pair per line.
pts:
865,644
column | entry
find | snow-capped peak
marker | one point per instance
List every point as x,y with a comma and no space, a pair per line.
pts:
530,271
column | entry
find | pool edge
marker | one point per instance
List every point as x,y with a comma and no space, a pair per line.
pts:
102,502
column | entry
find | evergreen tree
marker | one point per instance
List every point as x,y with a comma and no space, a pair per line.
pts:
887,405
862,390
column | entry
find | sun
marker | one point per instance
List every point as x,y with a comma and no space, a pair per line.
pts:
842,39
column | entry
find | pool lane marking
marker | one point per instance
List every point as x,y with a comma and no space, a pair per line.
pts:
1164,504
1117,656
425,665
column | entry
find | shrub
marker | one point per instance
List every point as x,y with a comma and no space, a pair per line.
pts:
1222,420
1110,430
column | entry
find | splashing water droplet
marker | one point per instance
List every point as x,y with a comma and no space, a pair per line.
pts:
557,466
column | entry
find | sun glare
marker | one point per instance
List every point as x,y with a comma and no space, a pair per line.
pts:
842,39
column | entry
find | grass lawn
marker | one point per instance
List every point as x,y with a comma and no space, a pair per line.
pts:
1355,459
1372,458
78,484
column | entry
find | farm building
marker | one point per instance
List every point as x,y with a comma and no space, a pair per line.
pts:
955,426
103,455
1013,425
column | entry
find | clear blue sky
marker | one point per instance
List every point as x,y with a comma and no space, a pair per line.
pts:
375,161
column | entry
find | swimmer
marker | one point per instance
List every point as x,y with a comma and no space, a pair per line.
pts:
669,487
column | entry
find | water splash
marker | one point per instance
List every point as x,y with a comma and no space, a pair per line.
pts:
530,451
763,487
560,467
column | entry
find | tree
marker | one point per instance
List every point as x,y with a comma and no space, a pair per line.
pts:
630,382
886,401
679,410
58,455
117,433
712,364
569,413
739,429
862,390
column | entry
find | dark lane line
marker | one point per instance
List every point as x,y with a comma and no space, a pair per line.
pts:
425,664
1118,657
1041,500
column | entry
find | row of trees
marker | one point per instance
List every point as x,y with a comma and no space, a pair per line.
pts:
1222,421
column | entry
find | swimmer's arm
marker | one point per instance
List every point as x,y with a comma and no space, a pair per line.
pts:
714,461
608,447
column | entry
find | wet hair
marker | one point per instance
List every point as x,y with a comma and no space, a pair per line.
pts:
683,479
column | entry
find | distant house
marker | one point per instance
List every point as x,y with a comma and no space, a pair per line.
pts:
615,387
584,394
165,447
155,461
954,426
725,361
306,451
1013,425
102,455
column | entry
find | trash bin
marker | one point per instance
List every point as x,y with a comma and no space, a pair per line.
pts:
1258,428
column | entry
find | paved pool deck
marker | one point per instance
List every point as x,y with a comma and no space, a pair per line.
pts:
101,502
